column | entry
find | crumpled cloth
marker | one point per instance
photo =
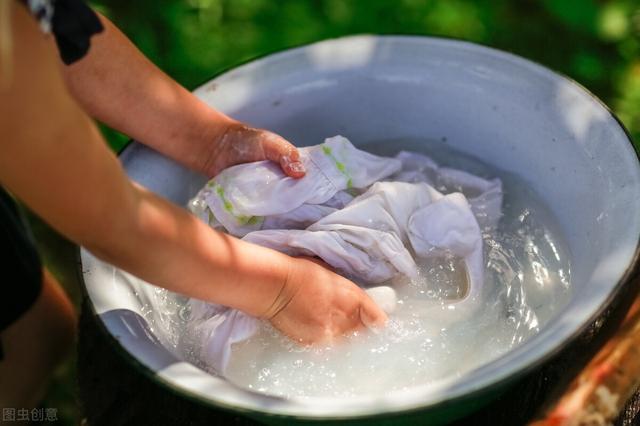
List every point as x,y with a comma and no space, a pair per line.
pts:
240,197
369,240
484,196
367,216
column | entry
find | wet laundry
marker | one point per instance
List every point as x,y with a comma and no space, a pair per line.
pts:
369,217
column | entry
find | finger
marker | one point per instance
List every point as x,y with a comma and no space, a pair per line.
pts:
371,315
279,150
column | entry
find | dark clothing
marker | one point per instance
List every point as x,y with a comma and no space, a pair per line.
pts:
71,22
73,25
19,262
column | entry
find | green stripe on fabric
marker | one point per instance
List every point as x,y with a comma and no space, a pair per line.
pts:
339,165
228,206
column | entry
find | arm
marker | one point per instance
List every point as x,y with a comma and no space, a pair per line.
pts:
53,158
119,86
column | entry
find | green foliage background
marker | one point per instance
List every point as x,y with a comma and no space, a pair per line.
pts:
596,42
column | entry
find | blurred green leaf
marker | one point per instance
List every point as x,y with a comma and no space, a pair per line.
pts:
614,21
455,18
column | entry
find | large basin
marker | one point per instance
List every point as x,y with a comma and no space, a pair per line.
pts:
503,109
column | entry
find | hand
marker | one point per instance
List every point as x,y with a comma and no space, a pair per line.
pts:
242,144
317,305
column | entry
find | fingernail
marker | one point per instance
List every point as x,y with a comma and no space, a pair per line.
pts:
297,167
371,323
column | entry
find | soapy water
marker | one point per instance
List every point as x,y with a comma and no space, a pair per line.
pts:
427,339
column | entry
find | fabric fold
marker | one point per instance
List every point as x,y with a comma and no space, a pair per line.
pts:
240,196
369,217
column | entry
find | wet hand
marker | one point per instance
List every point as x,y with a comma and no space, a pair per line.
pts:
243,144
316,305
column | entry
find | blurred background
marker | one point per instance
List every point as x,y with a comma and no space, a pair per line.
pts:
595,42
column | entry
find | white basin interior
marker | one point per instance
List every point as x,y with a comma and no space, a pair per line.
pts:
503,109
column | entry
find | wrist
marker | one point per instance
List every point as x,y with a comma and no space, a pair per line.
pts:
288,289
213,141
263,279
192,138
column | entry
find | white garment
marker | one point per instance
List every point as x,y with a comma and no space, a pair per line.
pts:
484,196
223,206
240,196
364,241
219,327
298,218
307,214
448,223
369,238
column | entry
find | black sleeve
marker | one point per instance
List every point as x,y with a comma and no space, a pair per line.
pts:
72,23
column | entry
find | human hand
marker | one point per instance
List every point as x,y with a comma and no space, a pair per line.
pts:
317,305
243,144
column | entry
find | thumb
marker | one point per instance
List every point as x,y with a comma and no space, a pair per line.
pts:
371,315
277,149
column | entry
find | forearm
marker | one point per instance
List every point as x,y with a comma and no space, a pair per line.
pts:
171,248
119,86
76,184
